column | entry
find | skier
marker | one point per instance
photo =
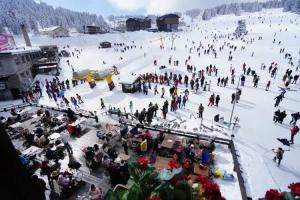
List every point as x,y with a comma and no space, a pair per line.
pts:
279,154
102,103
130,106
232,98
217,100
178,101
268,85
192,84
294,131
295,79
155,90
211,100
238,95
278,100
295,118
201,109
162,92
79,99
276,115
184,99
243,78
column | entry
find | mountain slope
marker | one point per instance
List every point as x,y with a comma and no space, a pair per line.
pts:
29,12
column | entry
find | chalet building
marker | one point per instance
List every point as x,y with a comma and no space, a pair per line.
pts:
93,30
168,23
16,71
55,31
137,24
241,28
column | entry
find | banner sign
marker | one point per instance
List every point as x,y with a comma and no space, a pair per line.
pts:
7,42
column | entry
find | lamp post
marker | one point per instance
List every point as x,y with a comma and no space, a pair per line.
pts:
233,105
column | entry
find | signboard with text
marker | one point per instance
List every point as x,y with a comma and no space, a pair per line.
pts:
7,42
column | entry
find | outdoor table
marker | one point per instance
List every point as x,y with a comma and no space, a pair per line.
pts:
168,141
123,156
200,170
161,163
24,110
61,117
54,136
33,150
35,116
86,177
77,122
15,125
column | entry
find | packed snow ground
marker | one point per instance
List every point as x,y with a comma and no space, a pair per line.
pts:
257,135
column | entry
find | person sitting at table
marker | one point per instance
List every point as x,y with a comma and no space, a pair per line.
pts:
144,146
13,112
89,156
95,193
64,138
124,172
190,153
161,137
39,185
71,115
134,131
28,136
123,130
39,112
64,180
106,162
147,135
112,153
98,155
50,154
155,146
46,170
43,140
205,157
9,121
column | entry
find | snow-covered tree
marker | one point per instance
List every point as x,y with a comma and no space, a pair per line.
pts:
193,13
29,12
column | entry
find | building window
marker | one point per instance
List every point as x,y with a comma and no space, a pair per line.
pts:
17,60
27,58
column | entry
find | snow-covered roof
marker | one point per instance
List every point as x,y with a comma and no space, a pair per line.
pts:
21,50
52,28
130,79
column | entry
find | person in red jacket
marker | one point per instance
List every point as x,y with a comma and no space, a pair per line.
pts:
294,131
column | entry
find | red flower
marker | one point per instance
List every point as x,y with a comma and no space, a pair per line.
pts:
211,190
143,162
295,188
173,164
153,197
274,195
182,177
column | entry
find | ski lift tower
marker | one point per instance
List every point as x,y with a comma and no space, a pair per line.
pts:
241,29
